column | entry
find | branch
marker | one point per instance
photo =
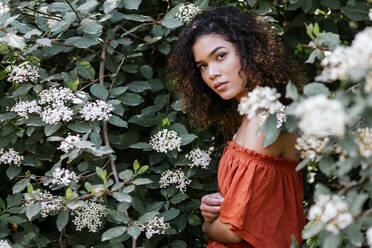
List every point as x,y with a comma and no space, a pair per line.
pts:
47,15
73,10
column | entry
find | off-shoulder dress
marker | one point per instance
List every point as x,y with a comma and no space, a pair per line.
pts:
263,198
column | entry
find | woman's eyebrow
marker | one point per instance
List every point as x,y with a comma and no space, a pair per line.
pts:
211,53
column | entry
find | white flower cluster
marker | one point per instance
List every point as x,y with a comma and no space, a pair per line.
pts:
187,11
24,72
4,244
369,234
98,110
321,117
370,14
155,226
310,146
63,176
199,158
68,143
166,140
174,177
10,156
4,8
50,204
24,108
55,100
89,215
364,141
331,210
263,101
343,60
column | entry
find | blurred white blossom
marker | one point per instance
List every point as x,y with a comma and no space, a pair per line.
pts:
370,14
67,143
52,115
187,11
310,146
4,8
24,72
198,158
63,176
154,226
331,210
364,141
56,97
174,177
50,204
89,215
368,85
4,243
166,140
263,101
98,110
369,237
10,157
344,60
321,117
24,108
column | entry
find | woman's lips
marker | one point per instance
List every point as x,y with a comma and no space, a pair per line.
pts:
220,85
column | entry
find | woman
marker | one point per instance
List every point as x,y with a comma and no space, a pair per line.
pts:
220,56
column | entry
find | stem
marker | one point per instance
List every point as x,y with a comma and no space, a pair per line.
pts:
61,239
73,10
43,13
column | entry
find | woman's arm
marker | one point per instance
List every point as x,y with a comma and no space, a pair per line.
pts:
220,232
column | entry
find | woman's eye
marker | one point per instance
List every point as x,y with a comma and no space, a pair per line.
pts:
202,67
221,56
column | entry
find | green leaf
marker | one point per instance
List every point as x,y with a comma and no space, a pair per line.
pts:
22,90
118,91
13,171
79,127
131,99
33,210
146,71
170,21
194,220
62,219
117,121
170,214
101,173
143,169
85,70
143,120
91,27
109,6
141,181
141,145
132,4
332,4
187,139
122,197
13,40
139,86
134,231
331,241
178,244
291,91
147,217
49,129
113,233
271,131
21,185
314,89
302,164
137,18
164,47
74,80
88,6
98,90
312,229
358,12
136,165
126,175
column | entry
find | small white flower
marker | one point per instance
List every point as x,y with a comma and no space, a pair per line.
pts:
321,117
155,226
369,237
10,157
187,11
4,243
364,141
89,215
310,146
166,140
174,177
51,115
263,101
24,72
199,158
332,211
98,110
68,143
63,176
50,204
56,97
24,108
4,8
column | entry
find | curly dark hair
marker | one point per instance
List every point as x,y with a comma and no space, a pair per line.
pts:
261,54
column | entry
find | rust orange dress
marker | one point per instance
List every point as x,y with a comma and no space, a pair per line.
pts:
262,198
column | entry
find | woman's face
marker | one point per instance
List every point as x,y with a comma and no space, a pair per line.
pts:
219,66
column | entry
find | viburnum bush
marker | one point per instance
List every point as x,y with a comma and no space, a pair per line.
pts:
96,150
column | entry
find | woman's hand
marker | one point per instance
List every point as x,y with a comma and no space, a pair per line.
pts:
210,206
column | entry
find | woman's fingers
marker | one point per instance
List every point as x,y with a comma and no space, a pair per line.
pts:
212,199
209,208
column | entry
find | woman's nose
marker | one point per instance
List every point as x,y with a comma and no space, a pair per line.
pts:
213,71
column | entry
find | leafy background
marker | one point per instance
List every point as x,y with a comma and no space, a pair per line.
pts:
117,50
